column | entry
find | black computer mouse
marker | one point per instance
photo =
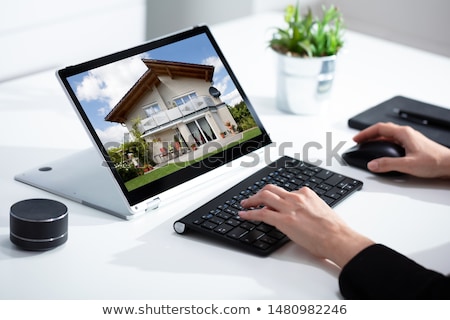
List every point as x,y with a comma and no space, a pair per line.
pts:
362,153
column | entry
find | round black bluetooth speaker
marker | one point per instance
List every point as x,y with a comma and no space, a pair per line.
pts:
38,224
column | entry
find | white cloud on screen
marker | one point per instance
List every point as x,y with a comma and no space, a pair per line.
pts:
115,134
221,83
111,82
232,98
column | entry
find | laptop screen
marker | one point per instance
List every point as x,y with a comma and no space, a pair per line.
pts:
164,112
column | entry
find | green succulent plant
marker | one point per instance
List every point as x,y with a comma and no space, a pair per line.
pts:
309,35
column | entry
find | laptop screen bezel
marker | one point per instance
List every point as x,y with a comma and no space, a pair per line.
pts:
185,174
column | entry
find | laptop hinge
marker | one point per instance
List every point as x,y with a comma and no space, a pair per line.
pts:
153,204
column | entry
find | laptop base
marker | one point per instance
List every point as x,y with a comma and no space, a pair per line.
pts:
81,177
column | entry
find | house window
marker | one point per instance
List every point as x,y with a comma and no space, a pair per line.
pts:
185,99
151,109
201,131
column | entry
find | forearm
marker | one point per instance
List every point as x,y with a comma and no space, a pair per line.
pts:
345,245
444,165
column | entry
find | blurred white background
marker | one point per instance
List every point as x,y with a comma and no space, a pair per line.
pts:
48,34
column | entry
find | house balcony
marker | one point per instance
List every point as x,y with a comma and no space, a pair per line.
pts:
166,117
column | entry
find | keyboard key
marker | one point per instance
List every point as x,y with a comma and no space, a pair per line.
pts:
247,225
319,191
265,227
315,180
216,220
261,245
335,179
252,236
198,221
237,233
268,239
334,193
324,174
309,184
233,222
209,225
232,211
296,181
223,228
329,201
275,233
309,172
224,215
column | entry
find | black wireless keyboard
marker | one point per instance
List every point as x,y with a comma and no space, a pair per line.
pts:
219,217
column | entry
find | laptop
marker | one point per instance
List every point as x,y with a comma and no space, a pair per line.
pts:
161,114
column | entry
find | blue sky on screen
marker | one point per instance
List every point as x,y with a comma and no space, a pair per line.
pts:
100,89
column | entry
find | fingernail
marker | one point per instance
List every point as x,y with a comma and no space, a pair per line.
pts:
373,165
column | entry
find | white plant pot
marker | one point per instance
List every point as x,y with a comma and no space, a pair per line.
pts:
304,84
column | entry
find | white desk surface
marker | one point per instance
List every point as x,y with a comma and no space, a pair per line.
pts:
109,258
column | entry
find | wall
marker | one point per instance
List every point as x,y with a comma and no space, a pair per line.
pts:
168,16
171,15
48,34
417,23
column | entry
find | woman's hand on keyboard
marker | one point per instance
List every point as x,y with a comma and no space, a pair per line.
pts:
424,157
307,220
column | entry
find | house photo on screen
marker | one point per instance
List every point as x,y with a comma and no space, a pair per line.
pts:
163,110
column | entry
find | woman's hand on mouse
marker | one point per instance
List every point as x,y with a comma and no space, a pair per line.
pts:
423,157
307,220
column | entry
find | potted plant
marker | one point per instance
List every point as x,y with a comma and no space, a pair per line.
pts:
230,127
147,167
306,52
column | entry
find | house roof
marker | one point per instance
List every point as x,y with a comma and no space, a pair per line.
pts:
150,79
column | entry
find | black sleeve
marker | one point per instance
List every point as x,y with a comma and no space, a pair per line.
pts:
378,272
